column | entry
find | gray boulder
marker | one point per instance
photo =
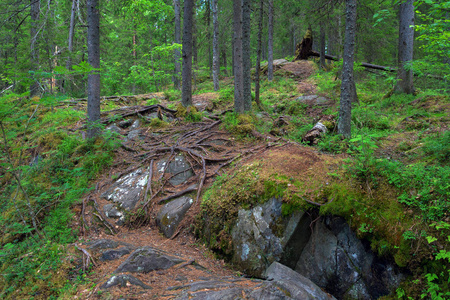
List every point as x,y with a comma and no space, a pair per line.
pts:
133,134
122,280
102,244
112,212
179,167
313,100
262,235
114,254
114,128
294,284
127,190
147,259
171,214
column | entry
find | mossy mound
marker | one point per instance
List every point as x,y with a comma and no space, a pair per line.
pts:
305,179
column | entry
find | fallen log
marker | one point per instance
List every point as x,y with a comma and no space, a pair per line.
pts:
325,124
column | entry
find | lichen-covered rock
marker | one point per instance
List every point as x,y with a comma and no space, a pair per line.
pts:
127,190
147,259
261,236
171,214
112,212
122,281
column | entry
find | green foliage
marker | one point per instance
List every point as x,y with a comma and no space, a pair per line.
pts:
239,124
48,189
438,147
424,187
438,282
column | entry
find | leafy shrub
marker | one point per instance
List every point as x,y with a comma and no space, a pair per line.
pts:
438,147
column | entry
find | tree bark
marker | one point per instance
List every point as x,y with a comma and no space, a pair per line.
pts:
216,65
246,59
347,85
176,77
258,54
322,45
270,43
237,55
93,42
186,92
34,50
71,34
304,48
405,48
208,33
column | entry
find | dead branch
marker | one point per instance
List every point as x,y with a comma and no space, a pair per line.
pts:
88,258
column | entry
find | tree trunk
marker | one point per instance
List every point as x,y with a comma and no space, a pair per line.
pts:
93,42
246,59
176,77
304,48
194,39
66,83
347,86
237,62
208,33
224,59
71,34
322,45
34,50
216,65
270,43
258,54
186,92
405,48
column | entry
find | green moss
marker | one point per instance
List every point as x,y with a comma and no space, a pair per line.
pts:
157,123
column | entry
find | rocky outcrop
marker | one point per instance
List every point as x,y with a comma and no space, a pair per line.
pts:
146,259
336,260
262,235
282,283
127,190
179,168
123,281
326,251
171,214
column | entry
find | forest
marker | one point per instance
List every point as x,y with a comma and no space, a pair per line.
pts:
157,126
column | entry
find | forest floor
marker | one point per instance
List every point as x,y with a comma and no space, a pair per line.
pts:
291,158
387,133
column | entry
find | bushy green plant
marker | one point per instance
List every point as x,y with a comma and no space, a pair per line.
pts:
438,147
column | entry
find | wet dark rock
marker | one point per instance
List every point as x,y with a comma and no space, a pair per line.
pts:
122,280
146,259
336,260
171,214
114,254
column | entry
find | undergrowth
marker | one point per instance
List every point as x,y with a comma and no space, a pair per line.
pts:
45,170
